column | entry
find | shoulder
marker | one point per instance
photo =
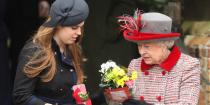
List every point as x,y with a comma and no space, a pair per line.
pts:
30,49
135,63
188,60
189,63
31,45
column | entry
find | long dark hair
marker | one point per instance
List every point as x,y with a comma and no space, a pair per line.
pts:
45,60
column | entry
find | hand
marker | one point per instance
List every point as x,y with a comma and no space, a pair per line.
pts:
135,102
111,98
47,104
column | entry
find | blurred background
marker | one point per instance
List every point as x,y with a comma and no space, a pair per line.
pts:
103,41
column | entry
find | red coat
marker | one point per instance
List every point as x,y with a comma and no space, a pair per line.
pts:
176,82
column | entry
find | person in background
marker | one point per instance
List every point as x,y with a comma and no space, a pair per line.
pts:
49,64
23,18
166,76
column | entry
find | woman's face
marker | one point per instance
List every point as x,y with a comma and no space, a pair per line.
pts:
153,53
69,34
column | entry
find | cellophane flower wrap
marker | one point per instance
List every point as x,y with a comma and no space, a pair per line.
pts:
116,79
80,95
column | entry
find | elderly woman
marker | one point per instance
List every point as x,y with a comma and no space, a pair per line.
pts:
165,75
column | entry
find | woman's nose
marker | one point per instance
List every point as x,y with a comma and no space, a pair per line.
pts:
141,50
79,31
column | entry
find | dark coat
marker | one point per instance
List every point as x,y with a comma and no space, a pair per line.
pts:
32,91
134,102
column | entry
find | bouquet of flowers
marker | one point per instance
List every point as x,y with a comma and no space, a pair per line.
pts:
116,80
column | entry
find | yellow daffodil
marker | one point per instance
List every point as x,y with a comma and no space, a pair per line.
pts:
120,83
125,78
121,72
133,75
115,76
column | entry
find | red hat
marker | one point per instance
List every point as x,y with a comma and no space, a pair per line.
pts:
147,27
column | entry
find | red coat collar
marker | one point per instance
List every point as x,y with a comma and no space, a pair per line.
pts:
168,64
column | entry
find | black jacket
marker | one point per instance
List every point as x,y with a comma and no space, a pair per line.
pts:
32,91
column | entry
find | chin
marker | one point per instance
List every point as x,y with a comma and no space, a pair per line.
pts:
70,42
148,62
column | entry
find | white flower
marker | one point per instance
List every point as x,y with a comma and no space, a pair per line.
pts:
111,64
107,65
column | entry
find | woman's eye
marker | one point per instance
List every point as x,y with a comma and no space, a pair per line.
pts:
147,46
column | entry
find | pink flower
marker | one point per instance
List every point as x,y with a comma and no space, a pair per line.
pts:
129,83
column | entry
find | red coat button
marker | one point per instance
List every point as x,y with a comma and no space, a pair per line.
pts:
141,98
158,98
146,73
163,72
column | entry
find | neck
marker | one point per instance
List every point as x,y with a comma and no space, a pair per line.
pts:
60,44
165,56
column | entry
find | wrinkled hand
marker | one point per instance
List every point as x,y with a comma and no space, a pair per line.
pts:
118,99
48,104
135,102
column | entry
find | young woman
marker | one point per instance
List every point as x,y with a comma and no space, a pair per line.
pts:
50,64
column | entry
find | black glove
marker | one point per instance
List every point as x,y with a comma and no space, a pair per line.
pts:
68,104
134,102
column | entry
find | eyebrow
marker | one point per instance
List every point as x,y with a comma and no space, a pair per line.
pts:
77,26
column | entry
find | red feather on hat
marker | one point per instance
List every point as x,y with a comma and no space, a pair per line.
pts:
131,23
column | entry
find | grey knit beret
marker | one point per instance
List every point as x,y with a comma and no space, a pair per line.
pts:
67,13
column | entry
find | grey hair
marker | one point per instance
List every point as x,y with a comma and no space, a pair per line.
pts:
168,44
